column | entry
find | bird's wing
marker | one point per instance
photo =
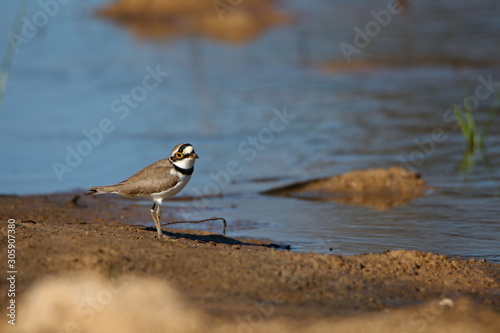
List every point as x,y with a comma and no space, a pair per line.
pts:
154,178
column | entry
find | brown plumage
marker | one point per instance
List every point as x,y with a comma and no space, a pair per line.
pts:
154,178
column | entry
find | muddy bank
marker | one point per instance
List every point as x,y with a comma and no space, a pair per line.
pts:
227,284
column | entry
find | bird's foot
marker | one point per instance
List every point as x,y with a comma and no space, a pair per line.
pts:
163,236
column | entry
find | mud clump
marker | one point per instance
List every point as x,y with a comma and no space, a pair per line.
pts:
378,188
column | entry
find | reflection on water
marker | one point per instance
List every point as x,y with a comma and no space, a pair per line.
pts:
230,21
391,109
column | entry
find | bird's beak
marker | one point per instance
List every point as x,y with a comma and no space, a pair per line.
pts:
193,156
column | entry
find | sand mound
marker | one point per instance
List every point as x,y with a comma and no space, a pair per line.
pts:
88,303
378,188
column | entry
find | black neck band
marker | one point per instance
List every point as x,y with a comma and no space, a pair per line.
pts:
186,172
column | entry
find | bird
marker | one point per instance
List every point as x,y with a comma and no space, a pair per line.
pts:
158,181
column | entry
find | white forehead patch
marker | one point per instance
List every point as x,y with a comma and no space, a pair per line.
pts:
188,150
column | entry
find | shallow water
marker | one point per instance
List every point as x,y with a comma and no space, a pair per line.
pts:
389,108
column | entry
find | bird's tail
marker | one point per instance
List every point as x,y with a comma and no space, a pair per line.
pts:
103,189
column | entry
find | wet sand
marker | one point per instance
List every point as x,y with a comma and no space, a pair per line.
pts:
227,284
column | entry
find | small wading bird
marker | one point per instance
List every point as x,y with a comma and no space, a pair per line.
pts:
158,181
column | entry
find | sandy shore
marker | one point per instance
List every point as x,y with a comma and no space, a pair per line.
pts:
79,270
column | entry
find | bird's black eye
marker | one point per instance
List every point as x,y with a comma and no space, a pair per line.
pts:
179,154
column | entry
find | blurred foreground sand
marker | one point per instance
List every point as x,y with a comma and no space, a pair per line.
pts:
89,303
